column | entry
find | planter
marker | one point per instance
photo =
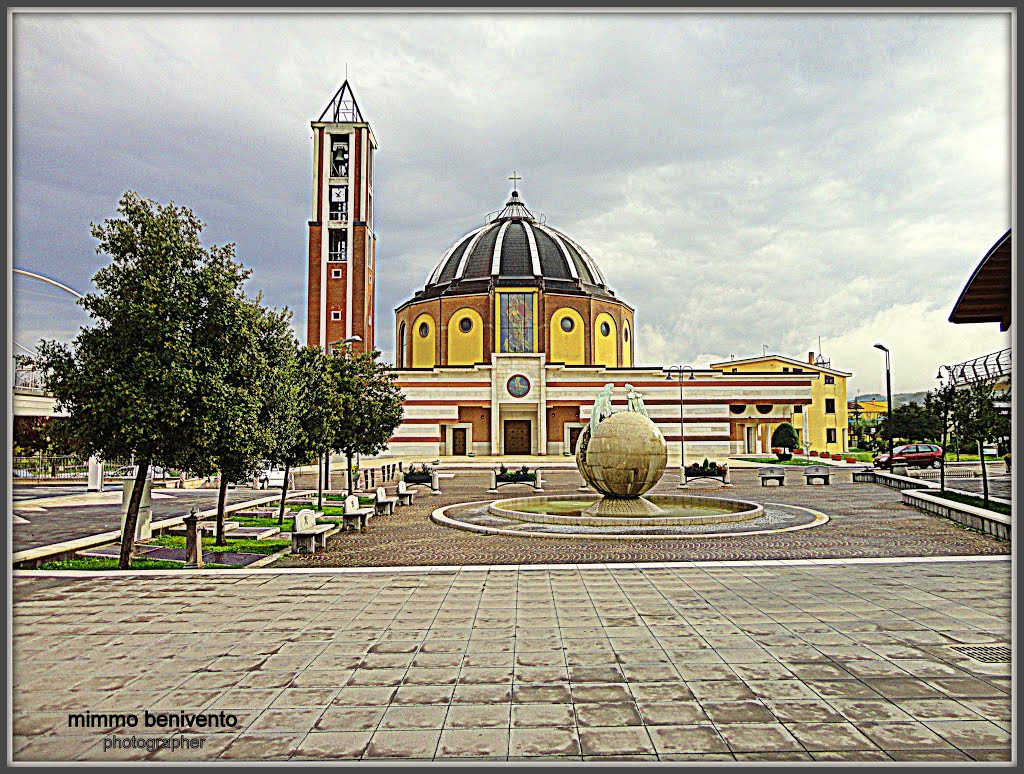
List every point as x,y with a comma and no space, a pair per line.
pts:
851,459
529,478
783,456
837,457
417,478
813,453
798,451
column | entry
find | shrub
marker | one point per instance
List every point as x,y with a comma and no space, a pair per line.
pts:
785,437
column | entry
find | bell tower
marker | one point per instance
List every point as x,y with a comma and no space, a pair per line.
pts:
342,244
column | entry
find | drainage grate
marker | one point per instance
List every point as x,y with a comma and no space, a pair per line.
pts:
989,654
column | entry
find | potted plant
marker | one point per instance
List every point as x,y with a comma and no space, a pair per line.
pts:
515,476
851,459
837,457
813,453
784,440
798,451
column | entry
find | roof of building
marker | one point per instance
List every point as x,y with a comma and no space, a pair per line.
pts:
986,296
801,363
343,108
515,247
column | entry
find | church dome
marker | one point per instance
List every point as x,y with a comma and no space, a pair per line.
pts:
515,247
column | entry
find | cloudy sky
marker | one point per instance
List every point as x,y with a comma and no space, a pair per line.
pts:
742,179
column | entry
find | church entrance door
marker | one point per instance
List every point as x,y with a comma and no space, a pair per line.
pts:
574,436
459,441
751,439
517,436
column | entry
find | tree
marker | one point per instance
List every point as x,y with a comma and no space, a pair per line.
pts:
255,344
914,422
309,405
372,405
134,383
785,437
976,416
940,404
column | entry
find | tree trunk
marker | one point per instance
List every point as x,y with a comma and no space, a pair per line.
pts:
319,483
984,471
284,493
348,461
124,561
221,497
942,462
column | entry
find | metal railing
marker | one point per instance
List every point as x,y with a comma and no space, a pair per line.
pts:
29,379
59,467
995,367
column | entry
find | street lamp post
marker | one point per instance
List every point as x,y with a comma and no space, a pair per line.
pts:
944,397
679,370
888,397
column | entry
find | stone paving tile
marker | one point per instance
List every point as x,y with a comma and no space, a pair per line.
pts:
687,739
389,744
758,737
552,741
821,737
615,741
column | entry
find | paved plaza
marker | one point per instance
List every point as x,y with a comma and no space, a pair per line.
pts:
865,520
746,661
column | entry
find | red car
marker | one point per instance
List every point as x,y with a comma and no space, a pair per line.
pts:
923,455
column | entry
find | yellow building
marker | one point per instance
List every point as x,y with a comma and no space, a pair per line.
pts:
821,426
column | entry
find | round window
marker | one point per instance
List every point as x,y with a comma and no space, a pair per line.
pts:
424,330
764,408
465,324
606,329
737,408
567,324
518,386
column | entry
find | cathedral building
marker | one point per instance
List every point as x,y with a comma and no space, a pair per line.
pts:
514,331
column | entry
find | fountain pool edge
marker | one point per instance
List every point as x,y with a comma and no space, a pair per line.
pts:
439,516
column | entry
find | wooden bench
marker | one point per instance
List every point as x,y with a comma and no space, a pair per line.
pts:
354,515
382,504
812,472
773,473
307,535
404,494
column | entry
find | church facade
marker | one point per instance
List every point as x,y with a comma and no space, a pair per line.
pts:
513,333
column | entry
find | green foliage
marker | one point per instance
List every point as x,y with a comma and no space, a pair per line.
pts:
977,502
914,422
235,545
785,437
99,563
140,381
372,404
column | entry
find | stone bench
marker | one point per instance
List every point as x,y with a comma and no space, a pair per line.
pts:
773,473
355,516
404,494
307,535
382,504
812,472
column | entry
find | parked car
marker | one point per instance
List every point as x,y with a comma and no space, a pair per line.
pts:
921,455
271,477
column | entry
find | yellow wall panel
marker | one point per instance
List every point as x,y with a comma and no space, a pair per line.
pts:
423,347
567,347
465,348
605,349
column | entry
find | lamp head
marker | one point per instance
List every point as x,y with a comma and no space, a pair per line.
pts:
882,347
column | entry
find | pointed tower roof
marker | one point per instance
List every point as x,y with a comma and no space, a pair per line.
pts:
343,108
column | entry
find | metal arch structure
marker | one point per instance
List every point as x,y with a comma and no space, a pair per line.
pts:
53,282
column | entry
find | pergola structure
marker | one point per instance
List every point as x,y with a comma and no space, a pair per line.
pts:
986,296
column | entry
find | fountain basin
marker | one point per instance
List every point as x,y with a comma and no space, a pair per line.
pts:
669,511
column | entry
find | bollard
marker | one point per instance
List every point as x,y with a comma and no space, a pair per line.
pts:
434,486
193,541
538,482
494,481
95,483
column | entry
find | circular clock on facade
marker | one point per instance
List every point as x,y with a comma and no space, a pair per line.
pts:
518,386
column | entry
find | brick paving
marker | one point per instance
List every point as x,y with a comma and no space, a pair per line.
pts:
866,520
833,661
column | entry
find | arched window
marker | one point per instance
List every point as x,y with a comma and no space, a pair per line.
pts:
400,360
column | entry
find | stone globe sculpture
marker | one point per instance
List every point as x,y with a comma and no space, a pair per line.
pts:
624,456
